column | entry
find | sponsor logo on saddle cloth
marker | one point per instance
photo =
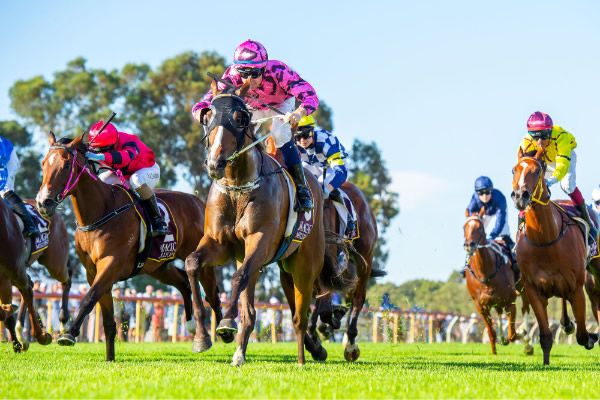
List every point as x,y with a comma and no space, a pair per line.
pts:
43,224
163,247
573,213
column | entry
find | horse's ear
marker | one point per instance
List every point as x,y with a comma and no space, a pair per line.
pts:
520,154
214,88
467,213
482,211
241,92
51,138
75,143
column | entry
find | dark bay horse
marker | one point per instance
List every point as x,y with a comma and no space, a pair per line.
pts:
359,268
14,253
551,252
109,228
55,258
246,217
490,281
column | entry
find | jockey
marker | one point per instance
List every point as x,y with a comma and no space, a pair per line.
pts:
323,154
279,86
9,164
560,156
494,218
127,154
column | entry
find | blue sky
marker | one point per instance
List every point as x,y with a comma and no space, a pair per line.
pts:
444,88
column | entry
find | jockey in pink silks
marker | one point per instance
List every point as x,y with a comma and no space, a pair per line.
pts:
276,84
126,155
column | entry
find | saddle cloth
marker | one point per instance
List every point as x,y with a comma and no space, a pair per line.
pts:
163,247
43,224
343,210
573,213
298,225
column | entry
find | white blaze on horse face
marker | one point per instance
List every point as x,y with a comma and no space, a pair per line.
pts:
216,143
42,195
524,166
51,159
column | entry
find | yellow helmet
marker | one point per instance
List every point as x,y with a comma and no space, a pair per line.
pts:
307,121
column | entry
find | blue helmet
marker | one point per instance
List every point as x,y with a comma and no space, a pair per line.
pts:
483,182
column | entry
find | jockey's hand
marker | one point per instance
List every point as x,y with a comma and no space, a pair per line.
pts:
551,181
95,156
294,117
489,238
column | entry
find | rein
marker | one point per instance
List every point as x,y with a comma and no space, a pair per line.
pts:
560,235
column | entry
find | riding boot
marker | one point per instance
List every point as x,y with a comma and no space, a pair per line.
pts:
582,208
29,228
335,195
148,200
292,160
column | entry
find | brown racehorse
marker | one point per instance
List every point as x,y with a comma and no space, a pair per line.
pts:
551,252
109,228
55,258
246,217
360,268
490,281
593,293
14,251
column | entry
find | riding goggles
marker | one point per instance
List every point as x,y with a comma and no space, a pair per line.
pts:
484,191
597,202
250,72
304,132
543,134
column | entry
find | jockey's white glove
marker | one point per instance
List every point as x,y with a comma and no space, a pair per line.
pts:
94,156
489,238
551,181
294,117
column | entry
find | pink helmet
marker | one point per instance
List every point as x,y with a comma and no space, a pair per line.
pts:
107,137
539,121
250,54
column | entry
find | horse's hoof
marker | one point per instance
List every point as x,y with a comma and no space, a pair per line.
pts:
352,352
238,358
227,329
190,326
569,329
66,340
18,347
202,345
44,339
321,355
325,331
504,342
529,350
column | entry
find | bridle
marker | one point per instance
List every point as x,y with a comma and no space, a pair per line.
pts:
494,246
70,185
539,187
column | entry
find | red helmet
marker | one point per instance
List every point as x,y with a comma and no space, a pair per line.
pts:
539,121
107,137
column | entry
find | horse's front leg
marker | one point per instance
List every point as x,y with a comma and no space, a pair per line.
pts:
209,253
539,303
584,338
567,325
248,321
10,320
503,338
63,316
511,312
110,326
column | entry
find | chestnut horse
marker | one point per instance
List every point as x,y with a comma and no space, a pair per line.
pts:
55,258
551,252
109,232
14,253
359,269
491,281
246,218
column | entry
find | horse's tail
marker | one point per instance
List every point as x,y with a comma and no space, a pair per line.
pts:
377,273
330,278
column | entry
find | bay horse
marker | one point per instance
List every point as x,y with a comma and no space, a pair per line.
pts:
108,234
14,253
491,281
551,251
246,217
54,257
359,269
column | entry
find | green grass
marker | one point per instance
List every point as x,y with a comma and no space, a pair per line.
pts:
167,370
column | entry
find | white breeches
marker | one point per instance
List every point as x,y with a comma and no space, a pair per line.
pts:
12,167
150,176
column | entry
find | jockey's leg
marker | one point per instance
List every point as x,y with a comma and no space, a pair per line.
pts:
513,257
148,200
292,160
29,228
580,205
335,195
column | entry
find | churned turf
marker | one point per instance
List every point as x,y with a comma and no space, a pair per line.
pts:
166,370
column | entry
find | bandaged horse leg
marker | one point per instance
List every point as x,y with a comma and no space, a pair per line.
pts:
148,200
503,339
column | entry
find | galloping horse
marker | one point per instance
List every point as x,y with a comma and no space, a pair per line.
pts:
109,232
360,268
14,252
53,253
246,217
490,281
551,251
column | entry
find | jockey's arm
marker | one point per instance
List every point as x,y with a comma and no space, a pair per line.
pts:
121,158
500,202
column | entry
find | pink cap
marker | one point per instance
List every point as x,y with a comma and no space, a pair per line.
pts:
539,121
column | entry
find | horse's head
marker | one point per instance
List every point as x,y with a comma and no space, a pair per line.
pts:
528,181
474,231
63,163
227,128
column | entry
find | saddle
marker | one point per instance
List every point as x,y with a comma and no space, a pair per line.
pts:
569,209
43,224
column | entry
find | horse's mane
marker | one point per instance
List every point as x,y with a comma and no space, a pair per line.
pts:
64,141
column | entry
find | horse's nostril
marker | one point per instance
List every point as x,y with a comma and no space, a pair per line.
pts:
221,164
526,195
47,203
